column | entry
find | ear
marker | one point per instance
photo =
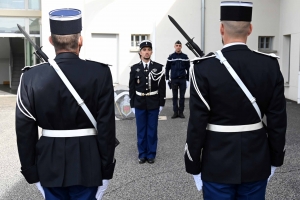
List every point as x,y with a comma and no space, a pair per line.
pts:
50,40
250,29
80,41
222,29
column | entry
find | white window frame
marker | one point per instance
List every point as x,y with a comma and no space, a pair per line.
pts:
134,45
263,39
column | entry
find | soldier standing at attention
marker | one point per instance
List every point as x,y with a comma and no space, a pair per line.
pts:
147,91
179,64
74,158
227,145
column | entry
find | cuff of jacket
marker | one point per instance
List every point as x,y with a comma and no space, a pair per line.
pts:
192,167
277,158
108,172
31,174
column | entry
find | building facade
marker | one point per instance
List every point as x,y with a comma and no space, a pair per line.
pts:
112,30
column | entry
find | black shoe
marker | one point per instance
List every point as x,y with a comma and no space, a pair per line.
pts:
181,115
151,160
175,115
142,160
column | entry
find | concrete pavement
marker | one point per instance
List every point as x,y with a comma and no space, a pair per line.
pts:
165,179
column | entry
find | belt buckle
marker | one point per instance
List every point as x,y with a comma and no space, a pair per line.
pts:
147,94
143,94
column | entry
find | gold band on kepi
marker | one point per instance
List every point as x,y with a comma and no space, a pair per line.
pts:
236,11
65,21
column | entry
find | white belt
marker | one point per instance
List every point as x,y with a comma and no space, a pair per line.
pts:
238,128
69,133
146,94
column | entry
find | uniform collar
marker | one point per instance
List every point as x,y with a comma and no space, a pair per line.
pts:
233,43
235,47
66,55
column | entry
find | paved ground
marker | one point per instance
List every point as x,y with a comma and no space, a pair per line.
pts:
165,179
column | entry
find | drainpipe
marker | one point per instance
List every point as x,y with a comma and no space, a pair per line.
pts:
203,25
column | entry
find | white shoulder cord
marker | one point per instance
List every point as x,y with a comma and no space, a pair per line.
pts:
73,92
159,74
196,86
27,114
223,61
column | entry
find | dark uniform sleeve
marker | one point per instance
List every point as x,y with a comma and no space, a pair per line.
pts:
168,68
187,68
162,91
277,122
198,120
27,136
132,87
106,126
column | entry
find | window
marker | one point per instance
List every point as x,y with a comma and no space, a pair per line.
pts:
265,43
136,40
20,4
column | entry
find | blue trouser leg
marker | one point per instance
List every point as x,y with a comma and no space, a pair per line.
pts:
244,191
175,95
182,89
152,132
76,192
141,125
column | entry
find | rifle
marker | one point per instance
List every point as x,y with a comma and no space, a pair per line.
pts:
190,44
44,58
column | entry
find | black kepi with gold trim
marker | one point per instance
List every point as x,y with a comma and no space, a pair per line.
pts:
236,11
145,43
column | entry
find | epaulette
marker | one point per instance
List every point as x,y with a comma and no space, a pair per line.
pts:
267,54
29,67
98,62
197,59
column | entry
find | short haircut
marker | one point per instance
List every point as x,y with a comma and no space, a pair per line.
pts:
236,29
65,42
177,42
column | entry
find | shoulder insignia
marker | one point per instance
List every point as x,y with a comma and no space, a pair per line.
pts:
137,70
195,60
29,67
267,54
97,62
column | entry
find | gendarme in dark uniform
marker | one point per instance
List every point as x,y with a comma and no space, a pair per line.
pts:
226,141
179,64
147,90
44,101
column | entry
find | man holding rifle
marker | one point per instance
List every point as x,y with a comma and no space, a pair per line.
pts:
74,158
227,145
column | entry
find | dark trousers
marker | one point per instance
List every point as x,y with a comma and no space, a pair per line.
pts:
245,191
76,192
146,123
178,84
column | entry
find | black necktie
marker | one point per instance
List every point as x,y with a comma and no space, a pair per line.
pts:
146,67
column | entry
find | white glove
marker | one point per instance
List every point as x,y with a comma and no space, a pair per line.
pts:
187,84
198,181
40,188
133,110
101,189
160,109
272,172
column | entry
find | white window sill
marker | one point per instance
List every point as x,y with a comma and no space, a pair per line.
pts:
267,50
134,49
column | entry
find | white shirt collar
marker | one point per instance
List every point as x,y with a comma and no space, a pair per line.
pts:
233,43
148,63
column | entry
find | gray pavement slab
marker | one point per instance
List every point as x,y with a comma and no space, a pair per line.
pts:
165,179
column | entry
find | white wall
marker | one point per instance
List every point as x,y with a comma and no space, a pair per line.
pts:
289,20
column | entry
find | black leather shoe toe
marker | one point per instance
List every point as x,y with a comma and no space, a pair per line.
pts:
175,115
181,115
151,160
142,160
